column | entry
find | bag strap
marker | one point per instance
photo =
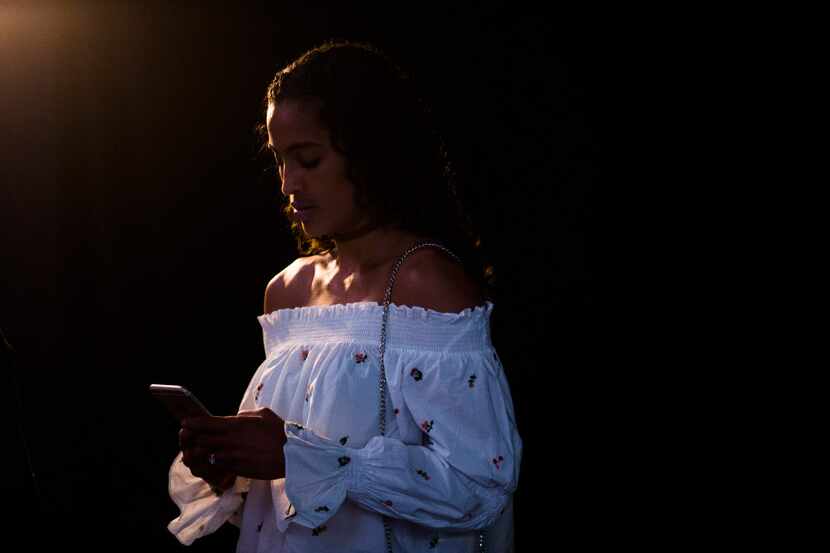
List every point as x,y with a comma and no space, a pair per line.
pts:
386,301
382,349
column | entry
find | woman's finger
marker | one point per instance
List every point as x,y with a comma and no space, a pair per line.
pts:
185,438
194,455
219,459
208,425
232,461
213,442
262,412
227,482
204,462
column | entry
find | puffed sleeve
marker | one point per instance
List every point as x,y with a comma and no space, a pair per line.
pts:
201,510
460,477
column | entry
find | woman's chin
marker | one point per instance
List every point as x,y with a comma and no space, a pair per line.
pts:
313,232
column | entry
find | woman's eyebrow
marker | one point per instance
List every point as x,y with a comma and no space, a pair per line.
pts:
295,146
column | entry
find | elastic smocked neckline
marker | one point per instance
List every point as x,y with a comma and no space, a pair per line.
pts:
406,311
410,327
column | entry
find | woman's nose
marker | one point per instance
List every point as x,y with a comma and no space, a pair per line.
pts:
289,183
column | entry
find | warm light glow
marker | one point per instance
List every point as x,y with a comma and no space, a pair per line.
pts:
31,36
30,21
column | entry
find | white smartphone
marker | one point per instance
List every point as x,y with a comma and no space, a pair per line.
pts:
179,401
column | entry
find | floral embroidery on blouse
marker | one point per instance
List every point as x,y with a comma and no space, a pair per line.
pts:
497,461
472,381
290,505
427,426
416,374
360,357
423,473
319,530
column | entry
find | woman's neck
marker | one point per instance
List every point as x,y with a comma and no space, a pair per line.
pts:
365,250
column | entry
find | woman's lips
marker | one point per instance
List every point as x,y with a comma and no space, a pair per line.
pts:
302,213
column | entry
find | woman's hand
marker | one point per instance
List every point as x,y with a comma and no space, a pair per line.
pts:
248,444
197,461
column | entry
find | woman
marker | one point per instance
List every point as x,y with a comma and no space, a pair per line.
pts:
341,445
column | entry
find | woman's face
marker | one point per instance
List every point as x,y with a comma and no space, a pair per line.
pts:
312,172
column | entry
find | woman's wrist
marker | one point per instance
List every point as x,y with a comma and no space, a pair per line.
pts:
221,483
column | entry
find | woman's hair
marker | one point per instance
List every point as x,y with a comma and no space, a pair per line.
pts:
395,158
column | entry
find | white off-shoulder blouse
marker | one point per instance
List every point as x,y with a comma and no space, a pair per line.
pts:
446,469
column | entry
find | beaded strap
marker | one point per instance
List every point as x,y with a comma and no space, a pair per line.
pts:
386,301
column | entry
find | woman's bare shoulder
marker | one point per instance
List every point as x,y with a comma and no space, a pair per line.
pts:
285,288
432,280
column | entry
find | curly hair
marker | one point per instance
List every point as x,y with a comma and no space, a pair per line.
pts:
380,124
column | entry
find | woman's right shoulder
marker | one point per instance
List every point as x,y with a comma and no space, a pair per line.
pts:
289,286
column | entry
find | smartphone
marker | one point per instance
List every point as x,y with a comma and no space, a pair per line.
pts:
179,401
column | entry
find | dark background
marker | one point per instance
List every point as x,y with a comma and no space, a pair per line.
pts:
140,227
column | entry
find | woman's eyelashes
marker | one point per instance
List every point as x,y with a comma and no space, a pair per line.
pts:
304,164
309,164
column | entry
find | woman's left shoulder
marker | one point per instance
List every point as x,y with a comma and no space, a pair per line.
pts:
433,280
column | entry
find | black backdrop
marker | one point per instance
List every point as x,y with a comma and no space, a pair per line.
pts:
139,229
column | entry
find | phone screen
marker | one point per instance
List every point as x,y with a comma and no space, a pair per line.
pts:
179,401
